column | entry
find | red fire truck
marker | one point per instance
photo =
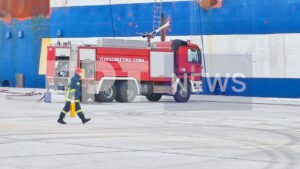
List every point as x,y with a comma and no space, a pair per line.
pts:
121,69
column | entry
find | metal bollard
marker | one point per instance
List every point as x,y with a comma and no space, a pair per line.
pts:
47,97
20,80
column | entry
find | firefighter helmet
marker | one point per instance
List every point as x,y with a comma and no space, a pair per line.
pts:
78,71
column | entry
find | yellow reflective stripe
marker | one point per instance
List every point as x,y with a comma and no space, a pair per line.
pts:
64,112
78,111
78,83
68,100
72,90
77,101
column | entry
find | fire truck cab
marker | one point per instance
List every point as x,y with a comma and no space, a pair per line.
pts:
121,69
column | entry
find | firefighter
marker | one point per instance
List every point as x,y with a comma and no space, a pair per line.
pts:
74,93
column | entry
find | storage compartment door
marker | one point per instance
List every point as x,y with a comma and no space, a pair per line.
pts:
161,64
88,62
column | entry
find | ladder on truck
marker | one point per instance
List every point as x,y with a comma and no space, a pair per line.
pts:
157,14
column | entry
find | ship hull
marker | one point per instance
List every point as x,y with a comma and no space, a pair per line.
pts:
244,43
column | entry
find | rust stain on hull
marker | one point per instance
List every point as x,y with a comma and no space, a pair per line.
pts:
23,9
208,4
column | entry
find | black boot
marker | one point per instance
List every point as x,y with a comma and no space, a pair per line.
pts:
83,119
61,118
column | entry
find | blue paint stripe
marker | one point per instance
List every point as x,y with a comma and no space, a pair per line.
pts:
259,87
235,17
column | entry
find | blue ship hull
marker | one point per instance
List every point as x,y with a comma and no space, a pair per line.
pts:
21,54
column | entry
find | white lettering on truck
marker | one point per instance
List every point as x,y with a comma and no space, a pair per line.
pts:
116,59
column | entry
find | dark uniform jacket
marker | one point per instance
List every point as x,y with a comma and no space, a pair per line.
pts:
74,89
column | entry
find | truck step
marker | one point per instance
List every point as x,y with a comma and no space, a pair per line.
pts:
162,89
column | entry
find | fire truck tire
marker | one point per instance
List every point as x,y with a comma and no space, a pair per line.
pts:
106,94
183,94
126,91
154,97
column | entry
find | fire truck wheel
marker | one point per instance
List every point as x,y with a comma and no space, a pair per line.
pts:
183,93
106,94
154,97
126,91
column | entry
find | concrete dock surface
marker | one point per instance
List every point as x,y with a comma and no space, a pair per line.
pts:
208,132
